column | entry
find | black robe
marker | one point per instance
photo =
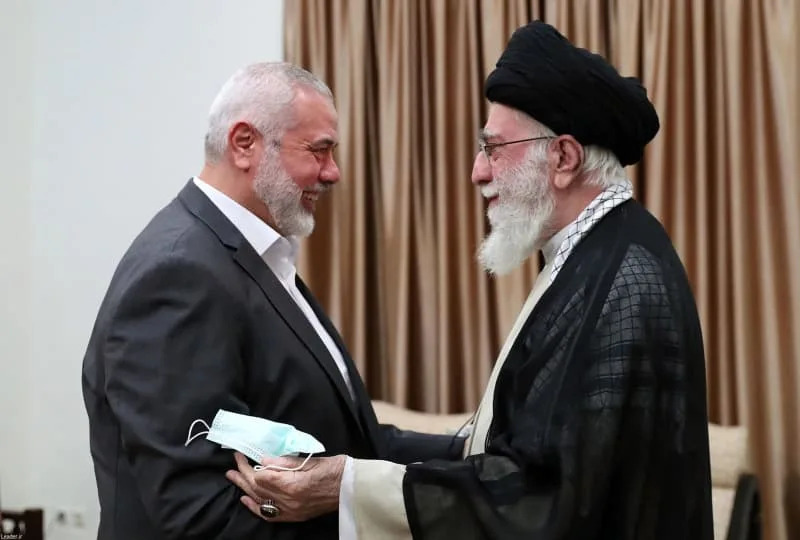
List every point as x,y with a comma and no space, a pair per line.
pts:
600,429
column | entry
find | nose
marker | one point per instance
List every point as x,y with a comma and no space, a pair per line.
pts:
481,170
329,173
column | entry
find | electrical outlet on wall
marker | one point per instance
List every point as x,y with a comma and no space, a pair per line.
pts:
66,518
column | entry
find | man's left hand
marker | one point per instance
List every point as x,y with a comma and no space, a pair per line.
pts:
298,495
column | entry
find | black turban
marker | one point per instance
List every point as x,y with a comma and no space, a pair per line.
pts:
573,91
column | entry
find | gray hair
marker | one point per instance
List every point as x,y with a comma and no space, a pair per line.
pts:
601,167
260,94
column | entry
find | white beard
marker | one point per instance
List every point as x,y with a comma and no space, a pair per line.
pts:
282,196
520,219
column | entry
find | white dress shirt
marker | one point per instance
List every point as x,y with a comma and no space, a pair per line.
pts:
280,254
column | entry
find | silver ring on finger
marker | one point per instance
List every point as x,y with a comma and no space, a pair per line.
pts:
269,510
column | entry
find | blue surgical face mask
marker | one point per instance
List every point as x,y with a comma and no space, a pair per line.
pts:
257,438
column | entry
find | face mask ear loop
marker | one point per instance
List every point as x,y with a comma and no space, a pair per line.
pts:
287,469
190,437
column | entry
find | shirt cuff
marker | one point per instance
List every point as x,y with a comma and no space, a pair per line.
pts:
376,502
347,522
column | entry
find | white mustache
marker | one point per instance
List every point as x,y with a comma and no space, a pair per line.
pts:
318,189
489,191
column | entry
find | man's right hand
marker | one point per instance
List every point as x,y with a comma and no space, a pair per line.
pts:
298,495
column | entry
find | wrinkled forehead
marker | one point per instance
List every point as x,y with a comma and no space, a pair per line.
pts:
314,115
502,123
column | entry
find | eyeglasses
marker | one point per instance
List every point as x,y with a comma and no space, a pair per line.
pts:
487,148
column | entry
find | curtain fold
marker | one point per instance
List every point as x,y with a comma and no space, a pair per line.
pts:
393,255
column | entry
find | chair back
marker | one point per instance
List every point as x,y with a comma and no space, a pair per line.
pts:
734,490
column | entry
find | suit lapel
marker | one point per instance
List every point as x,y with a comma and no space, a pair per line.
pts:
294,317
365,413
244,254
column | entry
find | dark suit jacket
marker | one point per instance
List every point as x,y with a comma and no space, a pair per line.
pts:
194,321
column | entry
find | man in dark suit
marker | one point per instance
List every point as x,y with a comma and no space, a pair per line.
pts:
205,312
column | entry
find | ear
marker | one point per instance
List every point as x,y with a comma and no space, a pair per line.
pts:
569,158
242,141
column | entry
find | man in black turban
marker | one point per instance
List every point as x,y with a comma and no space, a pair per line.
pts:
573,91
594,423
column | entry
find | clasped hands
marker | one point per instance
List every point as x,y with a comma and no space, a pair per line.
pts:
299,495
